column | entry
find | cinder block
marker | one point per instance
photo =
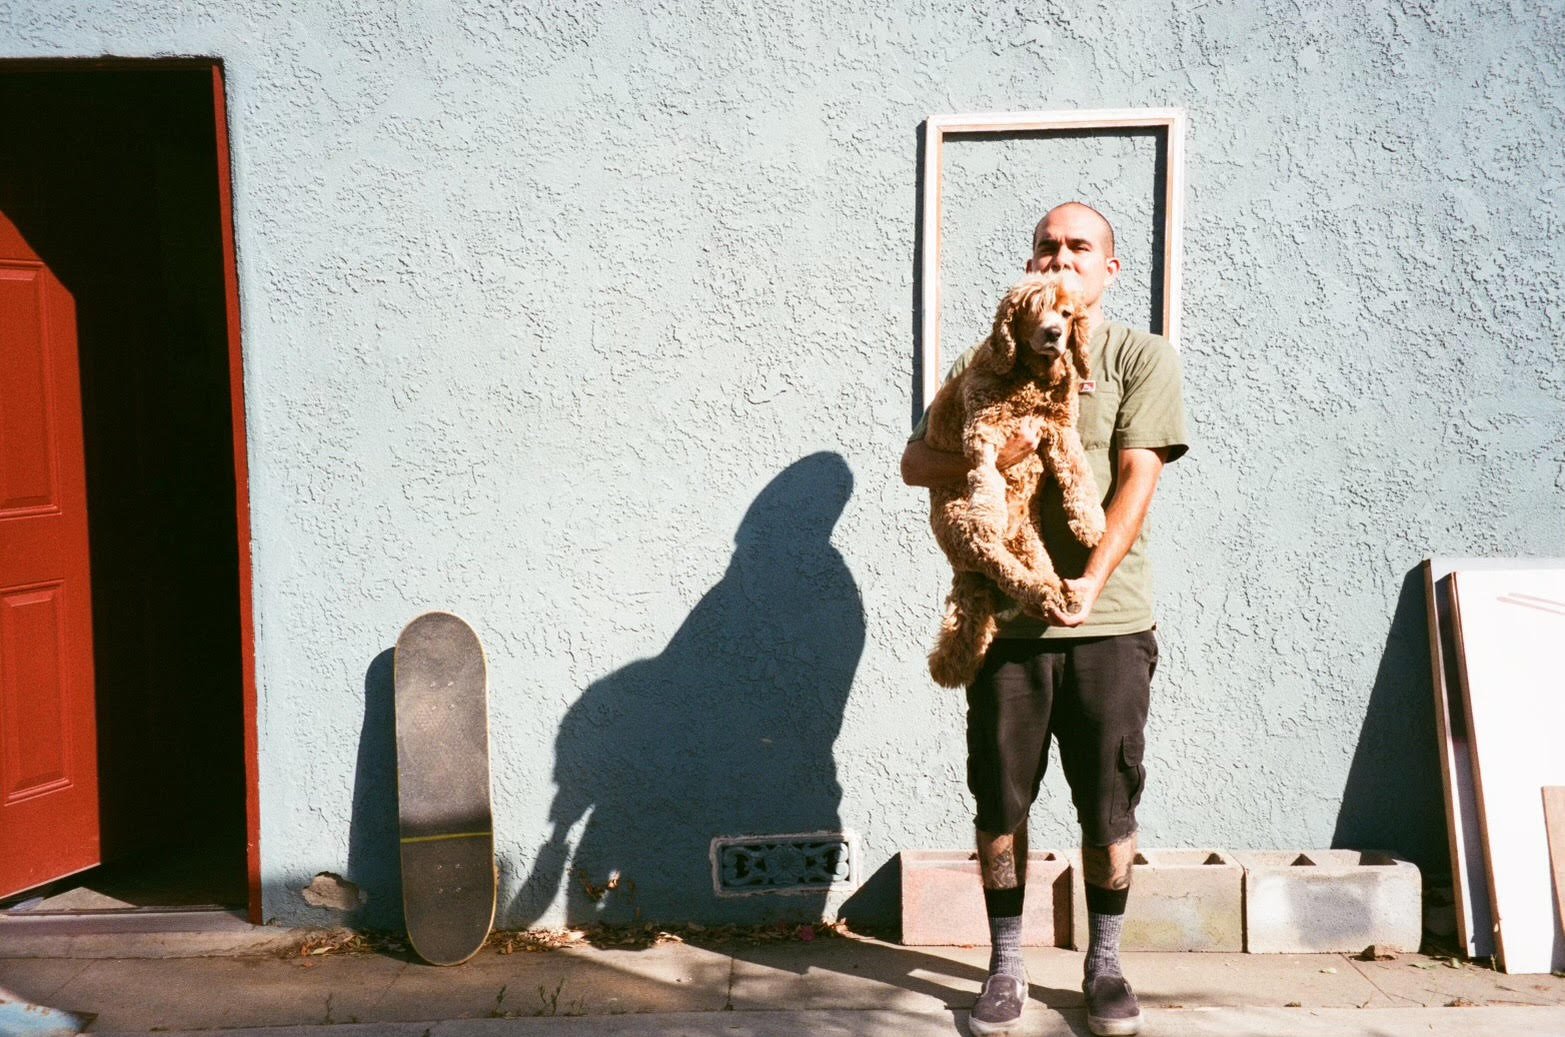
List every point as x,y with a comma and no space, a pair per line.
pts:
1180,900
1318,901
943,900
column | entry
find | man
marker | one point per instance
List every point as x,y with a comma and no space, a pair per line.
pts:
1083,677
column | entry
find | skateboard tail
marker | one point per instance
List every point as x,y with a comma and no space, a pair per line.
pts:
450,922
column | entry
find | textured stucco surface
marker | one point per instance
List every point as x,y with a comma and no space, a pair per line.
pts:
593,323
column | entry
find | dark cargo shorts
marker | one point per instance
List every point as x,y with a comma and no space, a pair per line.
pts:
1091,695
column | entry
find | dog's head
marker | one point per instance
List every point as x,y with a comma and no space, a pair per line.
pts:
1041,322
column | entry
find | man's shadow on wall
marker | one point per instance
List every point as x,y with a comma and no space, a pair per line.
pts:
729,731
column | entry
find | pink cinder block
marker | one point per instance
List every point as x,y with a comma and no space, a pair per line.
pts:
943,900
1180,900
1315,901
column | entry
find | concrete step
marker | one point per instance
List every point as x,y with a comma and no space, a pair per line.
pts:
1037,1022
731,982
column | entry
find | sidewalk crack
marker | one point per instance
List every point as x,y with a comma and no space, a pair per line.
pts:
1383,991
733,968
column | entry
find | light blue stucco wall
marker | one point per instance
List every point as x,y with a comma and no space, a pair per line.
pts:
593,322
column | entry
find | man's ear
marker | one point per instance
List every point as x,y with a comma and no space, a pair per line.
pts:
1112,265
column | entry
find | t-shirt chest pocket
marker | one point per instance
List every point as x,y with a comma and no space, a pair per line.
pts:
1095,421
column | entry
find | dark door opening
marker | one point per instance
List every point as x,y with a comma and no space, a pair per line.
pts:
111,176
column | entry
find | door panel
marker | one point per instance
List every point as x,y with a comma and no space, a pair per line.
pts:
48,737
32,640
27,465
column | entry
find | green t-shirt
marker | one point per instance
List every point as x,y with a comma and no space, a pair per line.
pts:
1136,402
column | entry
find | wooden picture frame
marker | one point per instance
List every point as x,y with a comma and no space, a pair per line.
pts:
938,127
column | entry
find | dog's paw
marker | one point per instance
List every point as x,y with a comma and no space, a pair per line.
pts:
1086,533
1088,528
1046,595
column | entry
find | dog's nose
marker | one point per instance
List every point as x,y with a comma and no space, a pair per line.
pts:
1051,334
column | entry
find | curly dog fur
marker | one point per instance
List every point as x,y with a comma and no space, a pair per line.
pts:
1026,373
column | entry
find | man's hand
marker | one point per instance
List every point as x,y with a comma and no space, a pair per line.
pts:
1084,592
1022,443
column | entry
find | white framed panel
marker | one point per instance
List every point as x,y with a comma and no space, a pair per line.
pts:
938,127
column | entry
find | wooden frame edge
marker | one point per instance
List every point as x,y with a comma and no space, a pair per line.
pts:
236,383
1172,120
1449,778
1478,794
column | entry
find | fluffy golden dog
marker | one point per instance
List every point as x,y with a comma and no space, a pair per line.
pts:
1027,373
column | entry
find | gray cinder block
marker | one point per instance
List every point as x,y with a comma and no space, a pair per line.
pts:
1180,900
943,901
1316,901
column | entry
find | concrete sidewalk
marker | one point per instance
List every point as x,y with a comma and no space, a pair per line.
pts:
256,982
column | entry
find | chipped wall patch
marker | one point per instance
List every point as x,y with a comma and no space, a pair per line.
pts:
333,892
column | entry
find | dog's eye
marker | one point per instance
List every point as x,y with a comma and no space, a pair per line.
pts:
1067,313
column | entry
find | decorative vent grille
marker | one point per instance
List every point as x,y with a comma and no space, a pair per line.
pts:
782,863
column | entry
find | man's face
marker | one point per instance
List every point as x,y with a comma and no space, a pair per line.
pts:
1074,238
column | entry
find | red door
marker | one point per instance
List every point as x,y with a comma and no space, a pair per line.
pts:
48,731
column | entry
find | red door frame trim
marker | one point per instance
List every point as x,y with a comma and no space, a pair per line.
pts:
236,386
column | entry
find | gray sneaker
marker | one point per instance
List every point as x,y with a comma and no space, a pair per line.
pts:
999,1005
1112,1009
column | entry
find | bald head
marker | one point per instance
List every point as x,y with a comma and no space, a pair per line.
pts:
1106,242
1076,238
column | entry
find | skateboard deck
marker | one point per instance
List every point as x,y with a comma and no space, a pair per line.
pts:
442,710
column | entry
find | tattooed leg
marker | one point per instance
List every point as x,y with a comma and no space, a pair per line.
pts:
1106,870
1108,867
1002,863
1002,859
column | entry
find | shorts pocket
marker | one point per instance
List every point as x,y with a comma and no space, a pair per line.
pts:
1132,774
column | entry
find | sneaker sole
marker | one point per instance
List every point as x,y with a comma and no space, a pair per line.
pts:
983,1029
1114,1027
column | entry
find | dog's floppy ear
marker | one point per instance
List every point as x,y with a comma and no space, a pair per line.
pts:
1000,356
1080,335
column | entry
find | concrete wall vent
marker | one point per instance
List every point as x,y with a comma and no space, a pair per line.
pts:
812,862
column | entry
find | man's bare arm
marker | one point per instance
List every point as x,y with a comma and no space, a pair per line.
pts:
923,465
1134,484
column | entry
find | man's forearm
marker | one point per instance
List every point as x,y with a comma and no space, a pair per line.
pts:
923,465
1126,512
